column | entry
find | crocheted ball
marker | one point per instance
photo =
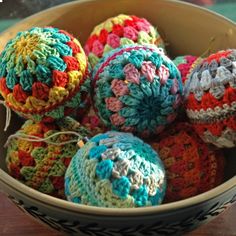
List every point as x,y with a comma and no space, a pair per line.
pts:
137,89
185,65
117,31
42,164
211,98
115,170
191,166
43,73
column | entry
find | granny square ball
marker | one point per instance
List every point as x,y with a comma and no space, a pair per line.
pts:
191,166
136,88
42,164
115,169
44,74
117,31
210,95
185,64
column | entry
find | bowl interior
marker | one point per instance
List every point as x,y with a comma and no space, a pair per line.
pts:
187,29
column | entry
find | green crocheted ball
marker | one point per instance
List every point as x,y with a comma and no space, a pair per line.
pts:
115,169
42,164
137,89
44,74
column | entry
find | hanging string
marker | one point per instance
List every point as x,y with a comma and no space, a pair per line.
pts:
8,115
31,138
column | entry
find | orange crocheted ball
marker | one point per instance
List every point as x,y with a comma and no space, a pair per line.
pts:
191,166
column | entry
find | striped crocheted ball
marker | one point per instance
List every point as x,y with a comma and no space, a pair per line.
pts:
185,65
42,164
191,166
115,170
118,31
211,98
137,88
44,74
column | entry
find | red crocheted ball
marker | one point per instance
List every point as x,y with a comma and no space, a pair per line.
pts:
191,166
185,64
210,94
118,31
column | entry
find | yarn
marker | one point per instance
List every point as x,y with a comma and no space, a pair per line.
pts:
185,64
210,95
115,169
39,153
191,166
117,31
92,122
44,74
137,89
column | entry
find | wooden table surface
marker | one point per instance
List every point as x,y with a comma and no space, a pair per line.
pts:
15,223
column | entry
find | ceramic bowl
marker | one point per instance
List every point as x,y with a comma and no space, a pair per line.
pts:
187,29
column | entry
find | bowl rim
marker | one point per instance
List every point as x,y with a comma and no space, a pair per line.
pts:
37,196
115,212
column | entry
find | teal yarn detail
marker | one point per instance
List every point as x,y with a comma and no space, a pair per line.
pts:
141,196
96,152
63,49
137,89
56,63
136,58
121,187
44,74
11,79
104,169
127,173
26,80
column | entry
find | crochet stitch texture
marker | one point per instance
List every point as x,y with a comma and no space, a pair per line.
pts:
41,165
191,166
137,89
117,31
43,73
115,170
185,64
210,95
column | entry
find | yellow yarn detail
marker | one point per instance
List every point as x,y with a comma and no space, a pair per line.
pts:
97,29
78,43
25,46
25,146
35,103
13,157
120,19
32,129
74,78
57,94
11,100
81,58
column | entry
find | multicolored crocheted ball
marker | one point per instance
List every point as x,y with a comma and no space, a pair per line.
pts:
117,31
211,98
191,166
115,170
38,155
43,73
137,89
185,64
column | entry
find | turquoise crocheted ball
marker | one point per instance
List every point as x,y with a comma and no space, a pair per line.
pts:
137,88
115,169
44,74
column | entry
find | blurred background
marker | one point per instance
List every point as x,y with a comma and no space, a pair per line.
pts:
12,11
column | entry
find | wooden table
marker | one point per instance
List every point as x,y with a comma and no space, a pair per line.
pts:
13,222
